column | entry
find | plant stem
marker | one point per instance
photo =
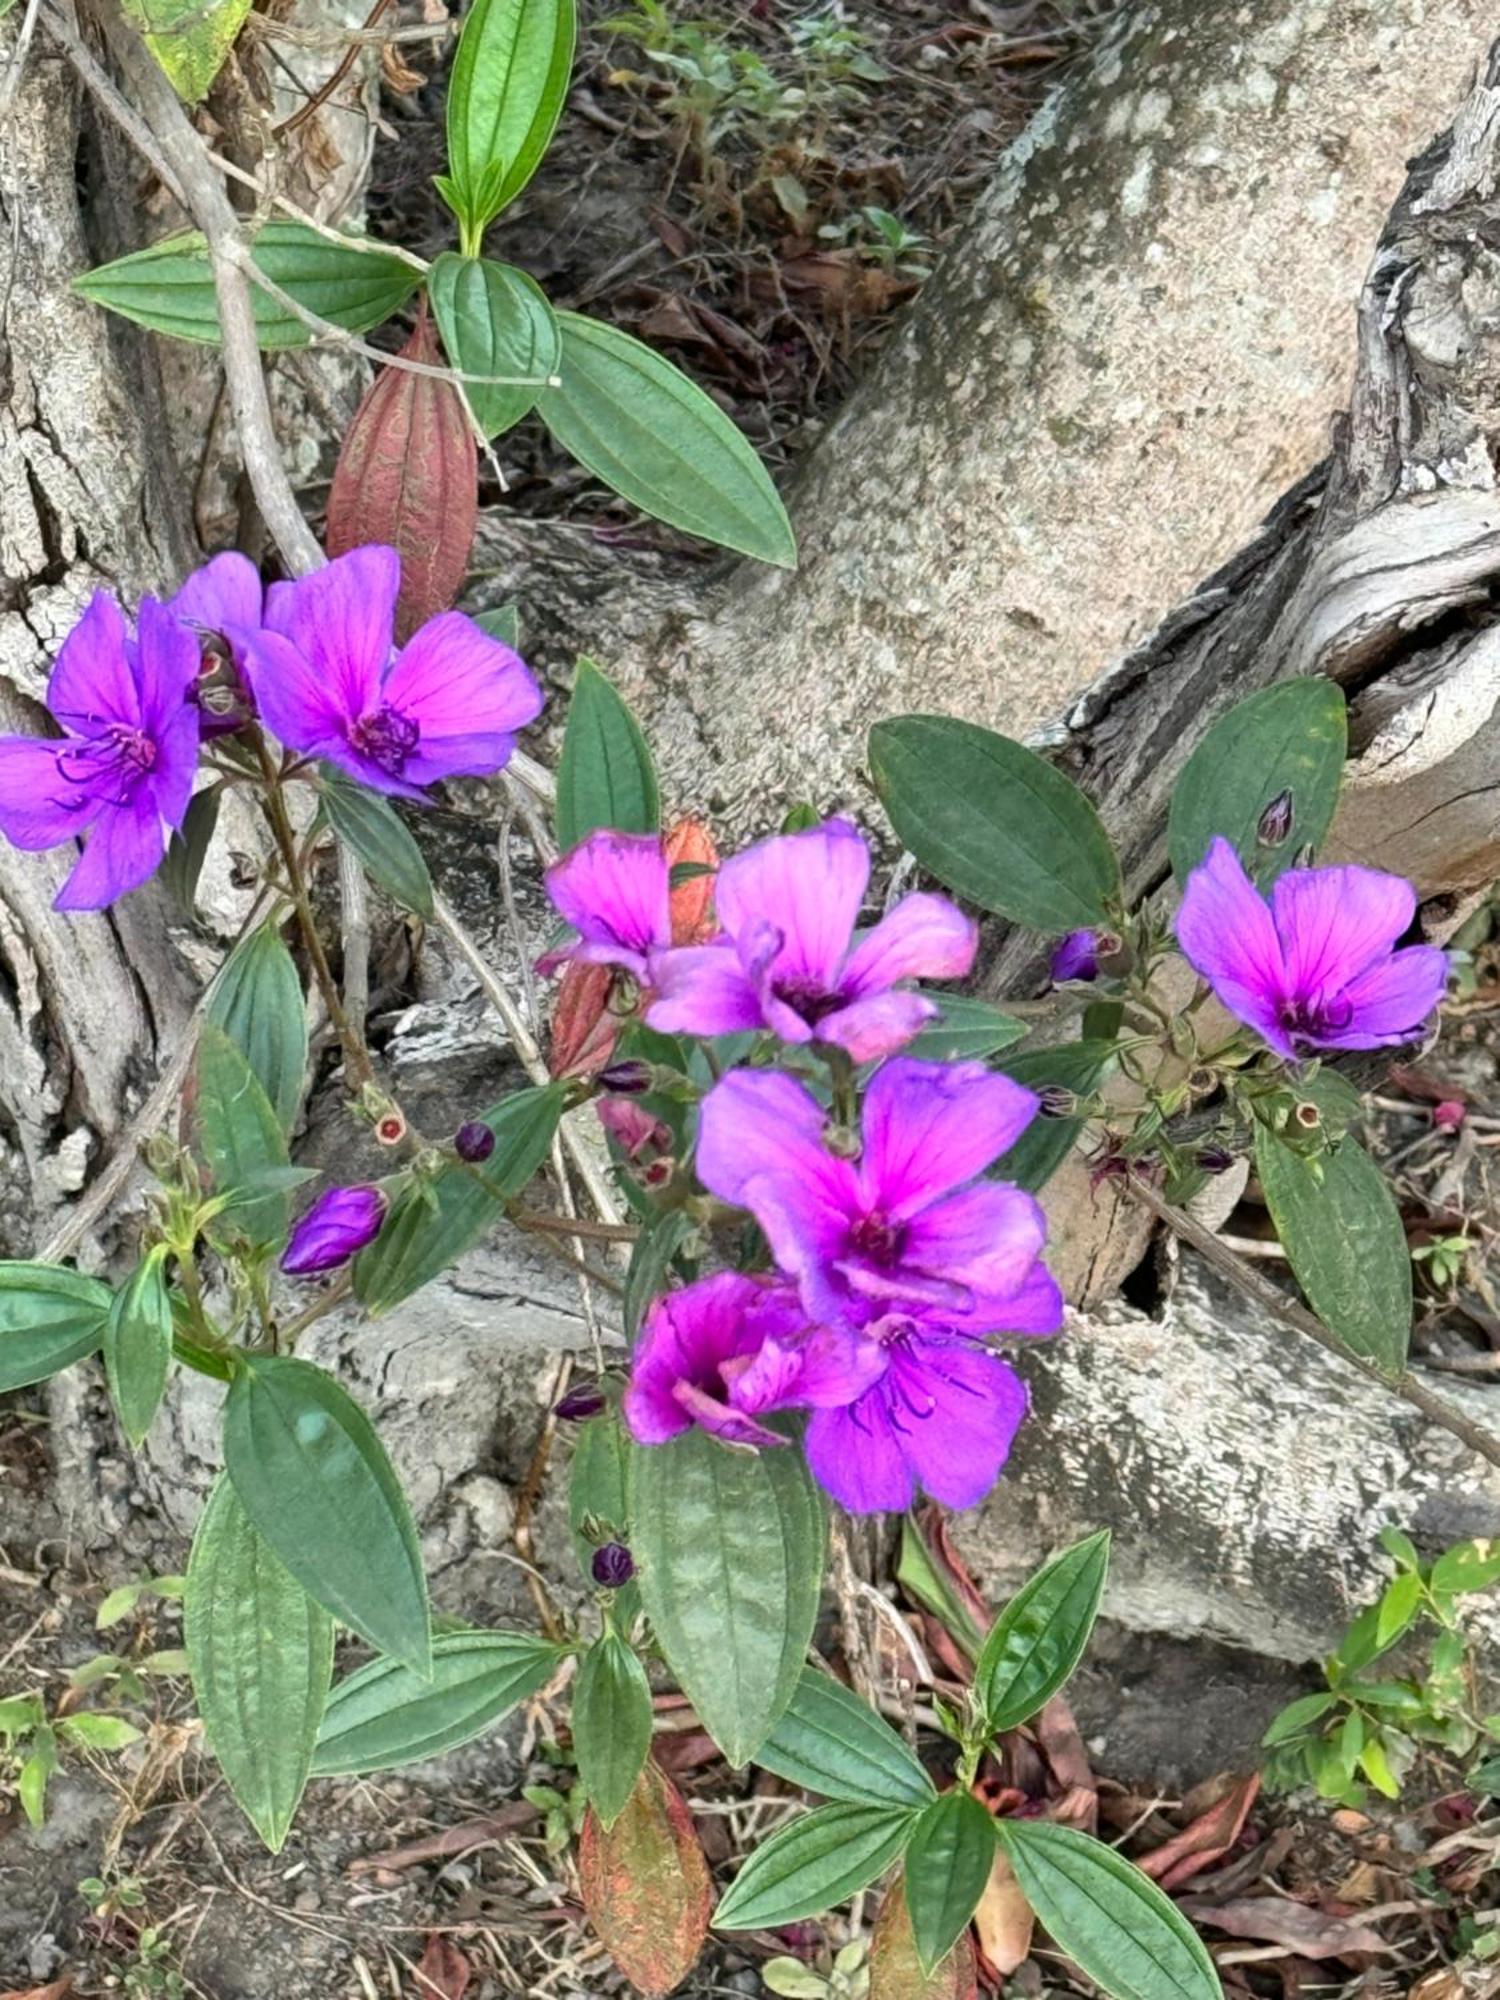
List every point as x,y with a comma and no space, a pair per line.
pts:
563,1225
1270,1299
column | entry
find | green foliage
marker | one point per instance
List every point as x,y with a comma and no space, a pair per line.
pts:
657,440
189,39
505,96
730,1549
994,822
241,1139
494,321
386,1714
814,1864
967,1029
831,1742
170,286
1288,739
138,1345
31,1746
315,1481
1365,1729
261,1655
605,776
49,1316
372,829
1077,1067
1040,1636
257,1001
612,1720
949,1856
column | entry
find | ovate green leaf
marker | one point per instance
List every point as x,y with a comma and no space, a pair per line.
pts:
241,1137
834,1743
611,1724
386,1715
1040,1636
370,827
505,96
813,1865
258,1002
605,776
948,1861
494,321
50,1316
138,1346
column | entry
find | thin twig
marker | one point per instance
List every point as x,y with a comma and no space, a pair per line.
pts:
370,245
331,83
1270,1299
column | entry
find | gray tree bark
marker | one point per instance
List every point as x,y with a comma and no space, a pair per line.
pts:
1132,346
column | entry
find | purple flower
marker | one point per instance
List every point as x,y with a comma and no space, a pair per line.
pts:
1076,956
325,679
339,1223
908,1228
942,1416
1317,967
615,890
123,771
727,1349
224,596
787,958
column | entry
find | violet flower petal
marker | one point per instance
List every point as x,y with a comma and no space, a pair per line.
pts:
225,592
924,937
1334,923
123,851
1391,1001
342,618
809,886
929,1127
614,889
701,989
94,683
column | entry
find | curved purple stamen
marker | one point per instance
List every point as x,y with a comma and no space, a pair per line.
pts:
386,737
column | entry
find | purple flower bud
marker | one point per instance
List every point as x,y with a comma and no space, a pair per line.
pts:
631,1078
338,1224
1214,1160
473,1141
1274,826
1076,957
613,1566
581,1401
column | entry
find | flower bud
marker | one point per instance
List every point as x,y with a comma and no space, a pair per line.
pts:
339,1224
630,1078
473,1141
613,1566
1449,1115
584,1399
1214,1160
1076,957
1306,1115
1274,827
390,1130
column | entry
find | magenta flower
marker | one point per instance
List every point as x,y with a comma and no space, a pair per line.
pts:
787,958
1317,968
942,1416
615,890
724,1351
123,770
224,596
337,1226
908,1227
1076,956
326,680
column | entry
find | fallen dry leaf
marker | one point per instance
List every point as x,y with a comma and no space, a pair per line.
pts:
646,1885
1296,1926
452,1840
60,1989
1004,1921
1205,1840
895,1970
444,1973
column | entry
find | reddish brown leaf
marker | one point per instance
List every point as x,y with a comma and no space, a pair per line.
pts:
689,843
646,1886
1057,1734
1003,1921
408,475
583,1028
60,1989
1207,1839
444,1973
896,1971
1297,1927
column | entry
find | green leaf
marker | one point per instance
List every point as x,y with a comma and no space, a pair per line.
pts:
31,1785
314,1478
1292,737
612,1720
505,95
729,1553
1345,1243
494,321
98,1732
662,1235
604,776
189,39
370,827
385,1715
170,286
924,1579
1376,1767
50,1316
188,850
1400,1548
258,1002
657,440
1040,1636
260,1652
948,1862
968,1029
1297,1716
503,623
1115,1924
138,1346
598,1489
1041,1149
240,1136
1470,1566
995,822
1399,1605
813,1865
834,1743
430,1226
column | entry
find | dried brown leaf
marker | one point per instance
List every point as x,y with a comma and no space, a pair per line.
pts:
1003,1921
1205,1840
896,1971
646,1885
1298,1927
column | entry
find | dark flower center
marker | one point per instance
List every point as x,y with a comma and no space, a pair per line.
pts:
1311,1020
877,1238
109,765
386,737
806,999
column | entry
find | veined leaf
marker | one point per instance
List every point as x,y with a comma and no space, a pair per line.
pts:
385,1715
315,1480
729,1552
638,423
241,1138
1040,1636
494,321
813,1865
646,1885
50,1315
170,286
138,1345
605,776
968,1029
1041,1149
995,822
258,1003
505,96
834,1743
612,1721
369,826
948,1861
260,1652
190,39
